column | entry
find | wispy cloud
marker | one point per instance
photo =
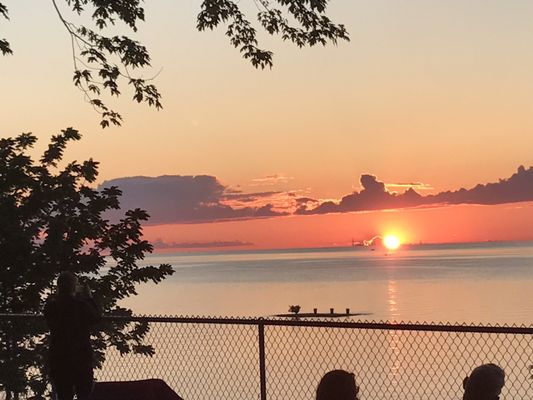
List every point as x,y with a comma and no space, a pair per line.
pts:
409,185
281,201
271,180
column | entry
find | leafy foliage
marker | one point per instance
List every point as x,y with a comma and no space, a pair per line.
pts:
51,220
311,26
101,62
4,44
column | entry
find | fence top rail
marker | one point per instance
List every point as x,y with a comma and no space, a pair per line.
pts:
311,323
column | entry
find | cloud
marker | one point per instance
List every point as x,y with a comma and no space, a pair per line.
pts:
160,244
188,199
407,185
202,198
279,201
271,180
375,196
517,188
248,197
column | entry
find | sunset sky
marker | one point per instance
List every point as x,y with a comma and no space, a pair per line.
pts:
430,94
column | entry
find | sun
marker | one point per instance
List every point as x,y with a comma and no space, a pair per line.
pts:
391,242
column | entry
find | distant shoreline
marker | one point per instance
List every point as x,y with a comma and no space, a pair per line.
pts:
406,246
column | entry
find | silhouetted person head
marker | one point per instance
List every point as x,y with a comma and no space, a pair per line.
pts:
337,385
67,283
484,383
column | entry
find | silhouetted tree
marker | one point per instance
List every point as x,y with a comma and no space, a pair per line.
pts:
51,220
101,61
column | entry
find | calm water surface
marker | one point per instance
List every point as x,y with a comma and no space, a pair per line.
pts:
485,282
475,283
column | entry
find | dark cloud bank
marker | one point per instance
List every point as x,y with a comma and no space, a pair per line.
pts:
187,199
200,199
374,196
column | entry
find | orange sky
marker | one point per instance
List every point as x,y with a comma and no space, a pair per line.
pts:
430,225
427,91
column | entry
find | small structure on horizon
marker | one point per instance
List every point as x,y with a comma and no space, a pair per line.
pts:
294,311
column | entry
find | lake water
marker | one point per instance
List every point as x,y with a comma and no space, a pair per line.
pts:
472,283
479,282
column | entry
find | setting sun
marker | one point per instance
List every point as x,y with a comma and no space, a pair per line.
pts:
391,242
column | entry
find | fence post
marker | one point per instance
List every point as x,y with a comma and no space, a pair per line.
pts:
262,366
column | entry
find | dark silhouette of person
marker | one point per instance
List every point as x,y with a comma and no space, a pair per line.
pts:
337,385
484,383
70,315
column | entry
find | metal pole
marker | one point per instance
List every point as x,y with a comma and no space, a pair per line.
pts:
262,367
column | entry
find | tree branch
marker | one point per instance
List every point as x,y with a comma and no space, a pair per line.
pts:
303,22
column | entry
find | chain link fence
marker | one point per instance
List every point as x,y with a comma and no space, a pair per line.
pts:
275,359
